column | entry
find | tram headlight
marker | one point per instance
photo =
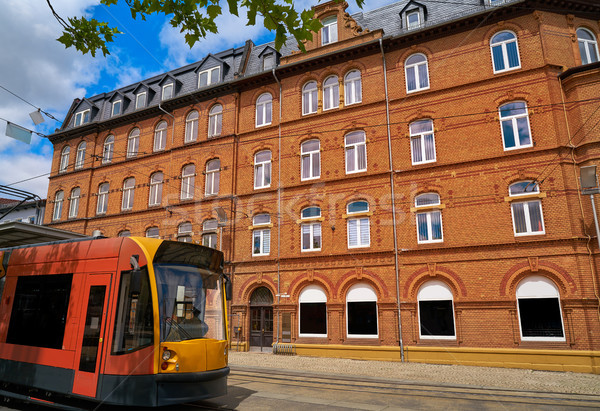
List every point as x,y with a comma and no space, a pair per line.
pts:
166,355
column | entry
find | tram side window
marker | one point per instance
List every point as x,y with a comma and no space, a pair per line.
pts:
39,311
134,325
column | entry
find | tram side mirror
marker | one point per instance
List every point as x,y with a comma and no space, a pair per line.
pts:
228,289
136,274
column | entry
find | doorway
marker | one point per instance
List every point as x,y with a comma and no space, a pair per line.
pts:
261,318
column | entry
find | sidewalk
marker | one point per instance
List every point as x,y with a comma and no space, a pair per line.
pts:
508,378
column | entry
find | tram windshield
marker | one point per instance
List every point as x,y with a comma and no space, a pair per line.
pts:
190,303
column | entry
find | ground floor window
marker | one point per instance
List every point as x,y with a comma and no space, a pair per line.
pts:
539,310
313,312
361,312
436,311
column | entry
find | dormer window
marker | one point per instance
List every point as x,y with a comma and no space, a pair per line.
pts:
140,100
413,19
208,77
268,61
329,33
116,108
167,91
82,117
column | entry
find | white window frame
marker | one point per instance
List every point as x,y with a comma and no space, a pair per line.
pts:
188,181
82,117
331,93
191,126
312,155
213,177
310,98
167,95
133,143
210,233
262,166
587,45
311,222
533,287
352,88
435,290
268,61
414,67
264,110
155,195
409,24
420,136
183,234
80,156
64,159
148,235
428,213
102,204
312,294
358,293
215,121
527,205
261,229
514,119
74,202
209,76
160,136
58,205
503,45
359,218
329,31
355,148
128,198
116,108
108,149
141,100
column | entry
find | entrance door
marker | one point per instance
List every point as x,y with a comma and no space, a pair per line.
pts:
91,334
261,318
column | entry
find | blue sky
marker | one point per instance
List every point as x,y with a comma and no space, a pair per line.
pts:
41,71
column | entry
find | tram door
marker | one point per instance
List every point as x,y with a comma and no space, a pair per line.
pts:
90,336
261,318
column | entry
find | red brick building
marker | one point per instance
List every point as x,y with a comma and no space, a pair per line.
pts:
406,189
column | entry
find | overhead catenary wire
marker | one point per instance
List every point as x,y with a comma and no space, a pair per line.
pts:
31,104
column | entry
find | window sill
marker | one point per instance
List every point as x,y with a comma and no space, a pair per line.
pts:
525,235
311,250
430,242
507,69
518,148
261,255
417,90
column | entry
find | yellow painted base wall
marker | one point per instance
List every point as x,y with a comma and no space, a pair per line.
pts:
547,360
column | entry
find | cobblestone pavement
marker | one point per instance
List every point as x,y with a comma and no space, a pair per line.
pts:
508,378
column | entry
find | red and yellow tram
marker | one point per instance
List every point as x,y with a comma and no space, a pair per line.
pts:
130,321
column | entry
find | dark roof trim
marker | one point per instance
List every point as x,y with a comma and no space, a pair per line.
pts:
579,69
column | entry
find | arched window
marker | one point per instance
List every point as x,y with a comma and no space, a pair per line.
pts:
188,179
514,121
124,233
429,220
505,51
264,110
356,152
329,32
80,158
58,205
213,175
352,88
311,159
74,202
64,159
209,233
436,311
422,142
102,205
588,46
358,224
417,73
215,120
309,98
261,235
133,143
184,232
191,126
311,229
361,312
539,309
331,93
128,192
526,208
156,183
262,169
160,136
108,149
152,232
313,312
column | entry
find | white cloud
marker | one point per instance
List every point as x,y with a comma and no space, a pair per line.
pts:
24,166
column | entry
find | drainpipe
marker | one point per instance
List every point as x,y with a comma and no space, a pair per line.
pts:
278,211
389,136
